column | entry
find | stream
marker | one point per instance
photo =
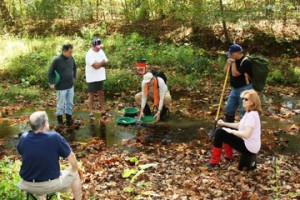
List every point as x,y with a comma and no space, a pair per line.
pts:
176,128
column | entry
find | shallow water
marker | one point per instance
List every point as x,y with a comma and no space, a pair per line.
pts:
176,129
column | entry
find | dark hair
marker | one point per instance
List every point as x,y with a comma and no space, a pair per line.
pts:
66,47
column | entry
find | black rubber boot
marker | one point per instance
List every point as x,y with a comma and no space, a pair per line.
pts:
147,110
69,120
247,162
229,118
60,120
164,113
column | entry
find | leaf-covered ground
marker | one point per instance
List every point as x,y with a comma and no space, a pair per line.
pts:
161,169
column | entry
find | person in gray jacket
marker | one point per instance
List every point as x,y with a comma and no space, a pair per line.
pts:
64,67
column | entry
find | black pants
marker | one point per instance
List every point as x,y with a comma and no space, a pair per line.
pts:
221,136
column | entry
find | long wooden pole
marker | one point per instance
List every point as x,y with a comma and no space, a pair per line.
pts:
222,95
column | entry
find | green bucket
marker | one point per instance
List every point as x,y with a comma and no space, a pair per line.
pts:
126,120
141,60
148,119
131,111
56,78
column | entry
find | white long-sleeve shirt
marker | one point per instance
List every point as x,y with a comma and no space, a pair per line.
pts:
162,89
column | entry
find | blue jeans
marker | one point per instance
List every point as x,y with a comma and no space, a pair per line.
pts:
235,101
64,101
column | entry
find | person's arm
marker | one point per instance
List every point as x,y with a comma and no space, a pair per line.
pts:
65,151
163,88
103,63
228,124
246,67
74,70
234,70
98,65
51,74
228,64
144,98
143,102
250,123
72,159
242,134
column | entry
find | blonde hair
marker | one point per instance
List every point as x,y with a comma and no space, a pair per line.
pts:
254,98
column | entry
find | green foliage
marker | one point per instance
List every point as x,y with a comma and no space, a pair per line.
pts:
29,67
10,94
93,30
29,64
293,74
26,67
275,77
278,76
122,80
9,177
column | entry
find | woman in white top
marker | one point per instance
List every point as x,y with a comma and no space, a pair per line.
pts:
244,136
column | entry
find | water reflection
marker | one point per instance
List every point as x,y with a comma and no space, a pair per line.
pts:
175,129
6,130
93,130
291,103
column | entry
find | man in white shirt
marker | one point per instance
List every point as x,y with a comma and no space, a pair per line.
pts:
96,61
154,88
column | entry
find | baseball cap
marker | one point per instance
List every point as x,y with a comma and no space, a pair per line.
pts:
97,43
147,77
234,48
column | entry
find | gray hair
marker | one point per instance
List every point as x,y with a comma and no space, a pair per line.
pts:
37,120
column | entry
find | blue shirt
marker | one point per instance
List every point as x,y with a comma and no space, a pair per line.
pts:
40,154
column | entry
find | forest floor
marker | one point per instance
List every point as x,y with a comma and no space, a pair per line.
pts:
163,169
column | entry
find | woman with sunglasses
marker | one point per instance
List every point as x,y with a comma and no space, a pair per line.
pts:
244,136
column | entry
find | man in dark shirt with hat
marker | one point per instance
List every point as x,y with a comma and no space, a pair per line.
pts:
240,80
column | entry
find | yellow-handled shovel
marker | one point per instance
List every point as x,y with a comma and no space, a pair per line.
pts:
212,133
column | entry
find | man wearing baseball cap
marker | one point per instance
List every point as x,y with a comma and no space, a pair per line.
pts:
96,62
238,67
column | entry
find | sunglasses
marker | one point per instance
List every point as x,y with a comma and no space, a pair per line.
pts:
244,99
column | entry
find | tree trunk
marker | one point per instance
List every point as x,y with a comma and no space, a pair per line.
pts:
97,8
228,40
8,20
247,11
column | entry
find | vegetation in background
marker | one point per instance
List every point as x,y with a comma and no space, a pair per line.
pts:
207,23
199,12
24,63
9,177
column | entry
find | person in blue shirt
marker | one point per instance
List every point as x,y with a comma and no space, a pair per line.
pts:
40,150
